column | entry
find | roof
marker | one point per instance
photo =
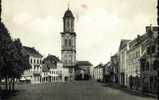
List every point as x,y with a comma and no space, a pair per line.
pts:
31,52
123,43
68,13
51,58
99,66
83,63
107,64
51,61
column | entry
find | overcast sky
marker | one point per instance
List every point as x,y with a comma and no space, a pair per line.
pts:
100,24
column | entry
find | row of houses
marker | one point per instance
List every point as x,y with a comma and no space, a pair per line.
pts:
134,65
51,69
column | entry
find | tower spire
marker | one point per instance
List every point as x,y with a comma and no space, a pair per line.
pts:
68,4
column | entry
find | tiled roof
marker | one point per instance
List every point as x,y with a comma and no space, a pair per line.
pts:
83,63
52,58
31,51
51,61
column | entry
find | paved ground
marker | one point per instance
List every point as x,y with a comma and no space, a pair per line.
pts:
81,90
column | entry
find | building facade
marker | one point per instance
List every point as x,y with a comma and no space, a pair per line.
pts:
108,72
137,60
134,53
149,60
33,74
123,62
68,43
115,68
53,70
98,72
83,70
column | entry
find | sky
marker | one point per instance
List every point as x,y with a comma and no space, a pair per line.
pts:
99,24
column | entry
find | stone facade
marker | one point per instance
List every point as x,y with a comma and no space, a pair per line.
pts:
134,53
137,61
148,60
68,43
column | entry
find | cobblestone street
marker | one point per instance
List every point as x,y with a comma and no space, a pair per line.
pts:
77,90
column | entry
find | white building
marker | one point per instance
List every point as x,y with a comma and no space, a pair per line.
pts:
98,72
53,70
123,61
33,74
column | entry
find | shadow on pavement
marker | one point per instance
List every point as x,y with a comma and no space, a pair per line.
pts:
5,94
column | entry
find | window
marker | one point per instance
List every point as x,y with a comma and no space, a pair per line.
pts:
147,66
153,48
70,24
148,50
66,25
155,64
65,42
70,42
30,60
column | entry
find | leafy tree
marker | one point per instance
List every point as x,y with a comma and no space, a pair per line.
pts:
5,42
12,60
19,62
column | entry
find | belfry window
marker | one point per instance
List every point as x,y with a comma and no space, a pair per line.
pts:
70,42
65,42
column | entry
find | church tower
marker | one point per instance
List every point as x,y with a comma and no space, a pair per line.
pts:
68,43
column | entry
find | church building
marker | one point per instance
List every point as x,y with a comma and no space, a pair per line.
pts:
68,43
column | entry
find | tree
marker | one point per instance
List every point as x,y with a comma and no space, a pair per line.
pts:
16,63
5,42
12,60
19,61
